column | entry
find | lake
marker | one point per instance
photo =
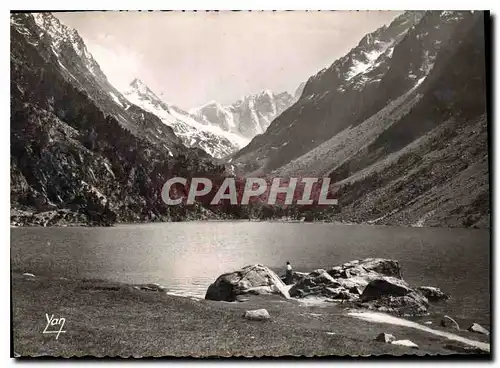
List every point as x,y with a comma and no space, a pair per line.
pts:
186,257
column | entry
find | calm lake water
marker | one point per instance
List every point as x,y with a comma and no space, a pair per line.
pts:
187,257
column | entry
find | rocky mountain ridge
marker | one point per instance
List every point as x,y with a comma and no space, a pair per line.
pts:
399,124
79,148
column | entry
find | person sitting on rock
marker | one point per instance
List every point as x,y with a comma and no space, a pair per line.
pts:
289,273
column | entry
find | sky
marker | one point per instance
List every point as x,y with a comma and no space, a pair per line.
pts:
191,58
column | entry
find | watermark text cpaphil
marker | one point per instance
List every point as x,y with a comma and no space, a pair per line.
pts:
243,191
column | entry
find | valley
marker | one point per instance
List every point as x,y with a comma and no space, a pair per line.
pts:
399,124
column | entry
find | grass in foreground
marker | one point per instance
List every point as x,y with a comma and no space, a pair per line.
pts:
112,319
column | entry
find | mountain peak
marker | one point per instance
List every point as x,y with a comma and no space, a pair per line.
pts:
189,128
209,104
141,88
137,82
63,36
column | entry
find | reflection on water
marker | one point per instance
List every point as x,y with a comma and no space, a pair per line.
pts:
187,257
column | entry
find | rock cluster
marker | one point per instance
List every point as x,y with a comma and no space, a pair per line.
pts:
373,283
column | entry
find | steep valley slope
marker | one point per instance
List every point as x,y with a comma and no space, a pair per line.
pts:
413,148
80,151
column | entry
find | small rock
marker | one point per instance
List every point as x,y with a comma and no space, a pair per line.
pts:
331,333
428,323
447,321
479,329
385,337
407,343
257,315
28,274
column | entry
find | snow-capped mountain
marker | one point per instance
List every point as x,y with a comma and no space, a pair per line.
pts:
192,131
247,117
385,64
80,151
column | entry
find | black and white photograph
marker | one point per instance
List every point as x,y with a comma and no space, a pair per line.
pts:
220,184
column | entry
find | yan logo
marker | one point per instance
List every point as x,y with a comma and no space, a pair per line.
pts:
53,324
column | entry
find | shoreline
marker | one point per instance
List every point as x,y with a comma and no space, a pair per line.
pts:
65,218
337,223
107,318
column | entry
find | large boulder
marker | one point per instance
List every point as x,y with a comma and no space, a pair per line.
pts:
318,283
254,279
387,286
393,295
386,267
432,293
357,284
261,290
411,304
380,266
354,276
